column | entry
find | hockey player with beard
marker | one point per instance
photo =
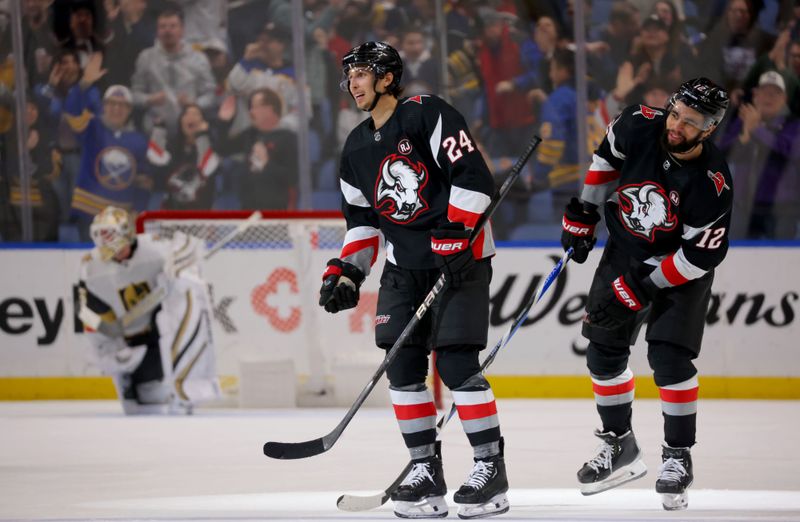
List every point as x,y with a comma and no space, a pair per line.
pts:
667,195
412,178
161,360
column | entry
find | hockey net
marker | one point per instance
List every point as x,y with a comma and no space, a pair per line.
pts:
264,284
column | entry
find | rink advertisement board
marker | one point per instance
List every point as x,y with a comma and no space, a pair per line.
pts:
265,309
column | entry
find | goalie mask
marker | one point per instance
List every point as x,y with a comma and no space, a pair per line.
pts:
112,231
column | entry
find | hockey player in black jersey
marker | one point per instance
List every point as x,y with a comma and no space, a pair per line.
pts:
413,180
666,192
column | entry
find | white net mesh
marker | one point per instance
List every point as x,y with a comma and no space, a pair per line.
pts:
264,276
267,233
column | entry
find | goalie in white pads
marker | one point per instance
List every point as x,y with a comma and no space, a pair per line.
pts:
146,312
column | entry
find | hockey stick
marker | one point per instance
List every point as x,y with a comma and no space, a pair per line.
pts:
153,299
299,450
363,503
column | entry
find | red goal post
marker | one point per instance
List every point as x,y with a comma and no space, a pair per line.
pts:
281,253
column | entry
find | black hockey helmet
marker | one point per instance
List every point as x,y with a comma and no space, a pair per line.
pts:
379,57
704,96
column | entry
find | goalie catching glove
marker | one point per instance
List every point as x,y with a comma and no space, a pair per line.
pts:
450,243
578,230
340,284
626,296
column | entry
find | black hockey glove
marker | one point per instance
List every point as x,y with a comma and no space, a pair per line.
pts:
340,284
626,296
578,230
450,243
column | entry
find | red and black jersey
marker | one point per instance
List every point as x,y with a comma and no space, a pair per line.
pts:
672,214
405,179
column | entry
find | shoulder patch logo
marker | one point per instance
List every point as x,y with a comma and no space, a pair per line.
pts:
398,190
644,208
417,98
719,181
648,112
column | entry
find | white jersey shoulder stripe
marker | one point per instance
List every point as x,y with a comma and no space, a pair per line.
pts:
435,140
352,195
612,139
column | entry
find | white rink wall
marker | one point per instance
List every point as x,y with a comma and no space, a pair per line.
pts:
265,309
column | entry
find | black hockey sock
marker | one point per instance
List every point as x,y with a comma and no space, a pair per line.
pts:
679,431
616,418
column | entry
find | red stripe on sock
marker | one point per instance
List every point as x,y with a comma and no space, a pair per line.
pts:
616,389
414,411
476,411
679,396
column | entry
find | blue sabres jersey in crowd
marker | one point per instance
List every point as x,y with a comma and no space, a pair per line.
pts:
557,156
110,160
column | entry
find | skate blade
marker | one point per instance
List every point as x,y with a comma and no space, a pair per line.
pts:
675,501
496,506
632,471
431,507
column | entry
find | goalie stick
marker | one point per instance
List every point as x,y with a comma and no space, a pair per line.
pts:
153,299
363,503
299,450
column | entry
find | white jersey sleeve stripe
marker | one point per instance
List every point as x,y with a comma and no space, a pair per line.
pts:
352,195
675,270
436,141
691,232
469,200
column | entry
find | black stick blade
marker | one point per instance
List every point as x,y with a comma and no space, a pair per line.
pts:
294,450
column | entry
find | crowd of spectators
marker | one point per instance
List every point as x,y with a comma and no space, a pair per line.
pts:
194,104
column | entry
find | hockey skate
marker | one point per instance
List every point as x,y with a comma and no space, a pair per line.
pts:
618,460
674,478
421,494
483,494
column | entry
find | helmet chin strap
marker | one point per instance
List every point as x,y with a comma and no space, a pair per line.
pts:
377,96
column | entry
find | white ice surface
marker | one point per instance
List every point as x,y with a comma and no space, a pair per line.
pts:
86,461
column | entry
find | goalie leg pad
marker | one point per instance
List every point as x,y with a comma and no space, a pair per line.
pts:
431,507
186,342
497,505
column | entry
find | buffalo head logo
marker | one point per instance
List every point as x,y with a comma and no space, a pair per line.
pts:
644,209
398,189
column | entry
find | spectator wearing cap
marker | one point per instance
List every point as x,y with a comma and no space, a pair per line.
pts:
762,147
785,58
264,64
114,169
171,75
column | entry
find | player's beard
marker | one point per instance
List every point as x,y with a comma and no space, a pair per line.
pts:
684,146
